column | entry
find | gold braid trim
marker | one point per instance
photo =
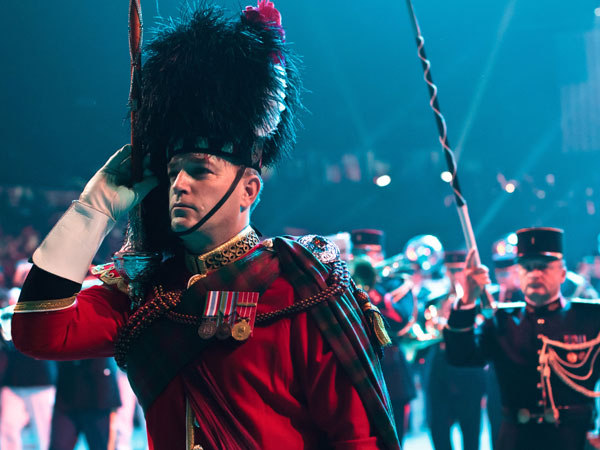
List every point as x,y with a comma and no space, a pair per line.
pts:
550,362
45,305
225,253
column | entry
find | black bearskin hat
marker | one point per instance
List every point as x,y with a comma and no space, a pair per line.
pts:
215,85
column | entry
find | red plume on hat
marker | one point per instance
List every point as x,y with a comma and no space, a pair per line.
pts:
266,14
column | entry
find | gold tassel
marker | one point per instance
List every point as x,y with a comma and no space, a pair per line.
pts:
380,331
377,324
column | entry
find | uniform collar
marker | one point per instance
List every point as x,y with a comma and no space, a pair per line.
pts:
554,305
224,254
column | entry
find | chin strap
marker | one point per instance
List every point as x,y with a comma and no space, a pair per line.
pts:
215,208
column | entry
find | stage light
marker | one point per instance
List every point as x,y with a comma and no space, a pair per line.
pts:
597,12
383,180
512,239
510,187
446,176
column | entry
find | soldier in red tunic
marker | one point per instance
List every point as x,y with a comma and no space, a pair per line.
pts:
239,344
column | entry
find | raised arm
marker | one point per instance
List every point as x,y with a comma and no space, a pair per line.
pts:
53,319
466,345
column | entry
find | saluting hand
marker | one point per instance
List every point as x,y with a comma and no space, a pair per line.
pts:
107,191
474,277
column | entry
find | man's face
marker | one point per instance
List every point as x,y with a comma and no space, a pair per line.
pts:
541,279
197,182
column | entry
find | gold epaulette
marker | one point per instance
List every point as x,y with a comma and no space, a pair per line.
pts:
109,276
45,305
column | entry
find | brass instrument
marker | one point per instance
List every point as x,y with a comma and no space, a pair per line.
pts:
432,293
431,318
430,303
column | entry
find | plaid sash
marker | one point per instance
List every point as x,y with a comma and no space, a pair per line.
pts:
343,327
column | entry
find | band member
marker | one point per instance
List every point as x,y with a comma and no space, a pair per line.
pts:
27,385
453,394
543,350
239,344
87,396
390,291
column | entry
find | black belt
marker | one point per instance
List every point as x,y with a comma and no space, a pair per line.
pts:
579,413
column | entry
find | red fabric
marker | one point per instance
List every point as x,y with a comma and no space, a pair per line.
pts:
87,329
283,385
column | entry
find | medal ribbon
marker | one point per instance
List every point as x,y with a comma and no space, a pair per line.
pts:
227,302
212,302
246,307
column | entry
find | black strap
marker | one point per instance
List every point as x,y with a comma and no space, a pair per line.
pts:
220,203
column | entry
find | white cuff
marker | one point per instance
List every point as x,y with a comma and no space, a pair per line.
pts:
71,245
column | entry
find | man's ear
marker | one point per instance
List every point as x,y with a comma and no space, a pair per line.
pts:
252,184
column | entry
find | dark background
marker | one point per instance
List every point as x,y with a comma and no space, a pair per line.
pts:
519,84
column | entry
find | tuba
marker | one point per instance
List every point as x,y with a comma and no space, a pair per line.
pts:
432,292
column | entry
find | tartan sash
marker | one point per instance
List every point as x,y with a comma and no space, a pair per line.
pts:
165,347
343,327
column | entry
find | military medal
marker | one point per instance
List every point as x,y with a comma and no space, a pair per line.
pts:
224,331
207,329
245,310
227,302
208,326
241,330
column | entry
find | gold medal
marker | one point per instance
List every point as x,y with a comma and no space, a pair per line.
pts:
207,329
241,331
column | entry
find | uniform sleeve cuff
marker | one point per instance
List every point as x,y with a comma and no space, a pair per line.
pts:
45,305
71,245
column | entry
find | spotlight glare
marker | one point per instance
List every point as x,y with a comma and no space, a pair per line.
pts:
510,188
446,176
597,12
383,180
512,238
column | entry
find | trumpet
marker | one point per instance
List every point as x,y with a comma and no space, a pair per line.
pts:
366,273
394,265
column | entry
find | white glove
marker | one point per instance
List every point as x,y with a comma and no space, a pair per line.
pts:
106,191
70,246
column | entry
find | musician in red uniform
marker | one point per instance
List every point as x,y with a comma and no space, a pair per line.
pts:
239,344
